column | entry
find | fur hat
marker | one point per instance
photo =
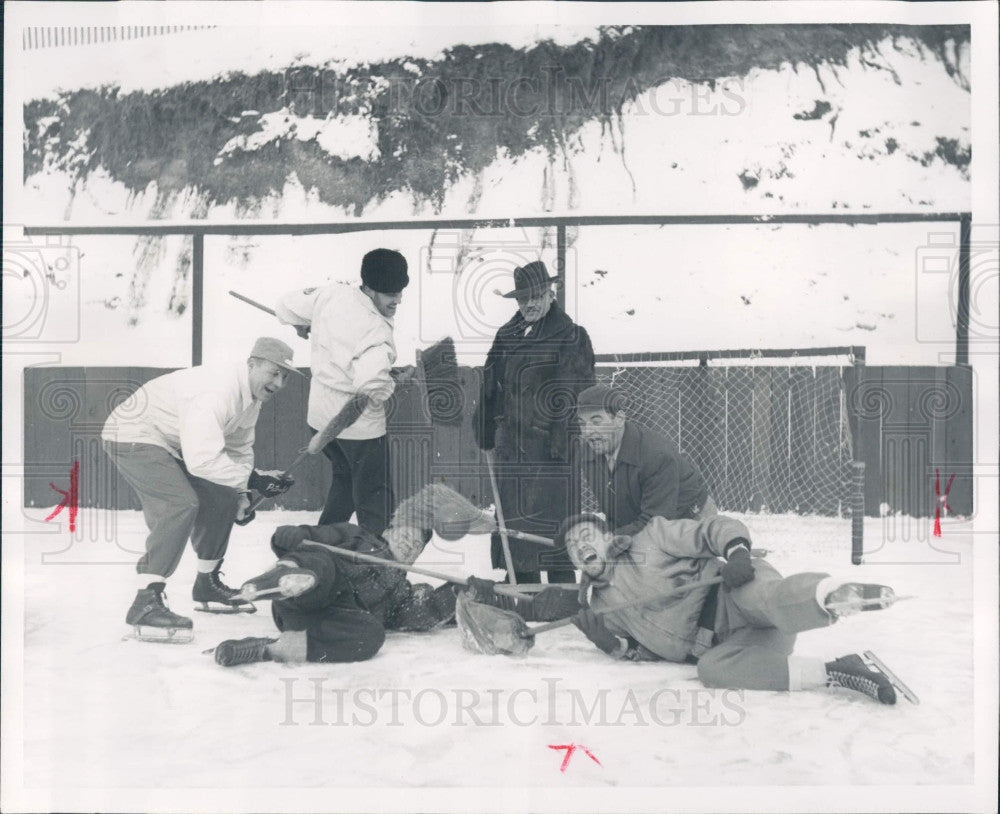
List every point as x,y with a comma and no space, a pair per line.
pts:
384,271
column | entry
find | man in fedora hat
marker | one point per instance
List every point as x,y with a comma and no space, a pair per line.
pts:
353,350
540,359
184,442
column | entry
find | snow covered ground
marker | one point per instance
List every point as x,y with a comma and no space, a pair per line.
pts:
103,713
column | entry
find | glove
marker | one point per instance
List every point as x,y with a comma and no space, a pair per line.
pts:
287,538
270,484
480,590
592,626
402,375
302,330
551,603
244,514
738,569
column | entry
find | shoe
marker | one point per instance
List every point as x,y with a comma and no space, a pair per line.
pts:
852,597
284,580
853,673
154,621
214,596
242,651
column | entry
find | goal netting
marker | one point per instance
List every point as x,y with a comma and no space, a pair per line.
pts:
769,431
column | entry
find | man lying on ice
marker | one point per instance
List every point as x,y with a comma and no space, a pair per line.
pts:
741,636
332,609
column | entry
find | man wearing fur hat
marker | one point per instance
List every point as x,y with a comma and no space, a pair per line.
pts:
540,359
353,351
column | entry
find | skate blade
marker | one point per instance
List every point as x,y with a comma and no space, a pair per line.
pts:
222,608
160,635
878,664
887,599
289,585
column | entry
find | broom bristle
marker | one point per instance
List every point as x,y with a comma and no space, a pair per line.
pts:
444,510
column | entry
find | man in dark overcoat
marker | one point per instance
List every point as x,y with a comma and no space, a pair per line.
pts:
538,363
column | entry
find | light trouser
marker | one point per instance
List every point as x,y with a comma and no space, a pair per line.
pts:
177,506
756,626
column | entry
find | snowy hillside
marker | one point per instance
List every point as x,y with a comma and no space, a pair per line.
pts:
617,120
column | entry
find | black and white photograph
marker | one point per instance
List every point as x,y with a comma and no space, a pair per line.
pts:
500,407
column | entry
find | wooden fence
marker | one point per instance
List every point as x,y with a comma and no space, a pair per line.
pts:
905,422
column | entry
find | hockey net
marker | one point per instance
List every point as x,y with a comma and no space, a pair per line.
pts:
769,431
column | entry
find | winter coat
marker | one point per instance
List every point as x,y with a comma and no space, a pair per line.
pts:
525,412
530,382
650,478
352,351
348,583
665,555
204,416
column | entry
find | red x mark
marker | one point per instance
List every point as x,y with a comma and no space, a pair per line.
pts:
570,749
71,498
942,500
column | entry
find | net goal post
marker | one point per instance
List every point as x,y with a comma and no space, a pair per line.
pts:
769,429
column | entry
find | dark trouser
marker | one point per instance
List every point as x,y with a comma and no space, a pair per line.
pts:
336,628
337,634
534,493
360,483
756,627
176,505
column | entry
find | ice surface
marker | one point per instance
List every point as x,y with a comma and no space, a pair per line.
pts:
107,713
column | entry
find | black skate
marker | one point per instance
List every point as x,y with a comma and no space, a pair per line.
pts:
153,621
282,580
853,673
852,597
212,595
242,651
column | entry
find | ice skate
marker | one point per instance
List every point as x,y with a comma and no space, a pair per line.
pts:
852,672
242,651
212,595
153,621
852,597
882,667
282,580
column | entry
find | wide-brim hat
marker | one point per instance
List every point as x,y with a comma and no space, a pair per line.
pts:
274,350
529,279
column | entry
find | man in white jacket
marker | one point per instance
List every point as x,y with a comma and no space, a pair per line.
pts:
184,442
353,350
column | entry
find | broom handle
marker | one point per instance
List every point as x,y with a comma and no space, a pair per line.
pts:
631,604
501,525
254,303
531,538
413,569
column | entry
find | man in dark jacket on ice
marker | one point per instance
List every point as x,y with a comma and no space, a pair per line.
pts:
332,609
540,359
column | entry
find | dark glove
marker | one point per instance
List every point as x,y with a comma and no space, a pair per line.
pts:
738,569
302,330
287,538
480,590
270,484
592,626
552,603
